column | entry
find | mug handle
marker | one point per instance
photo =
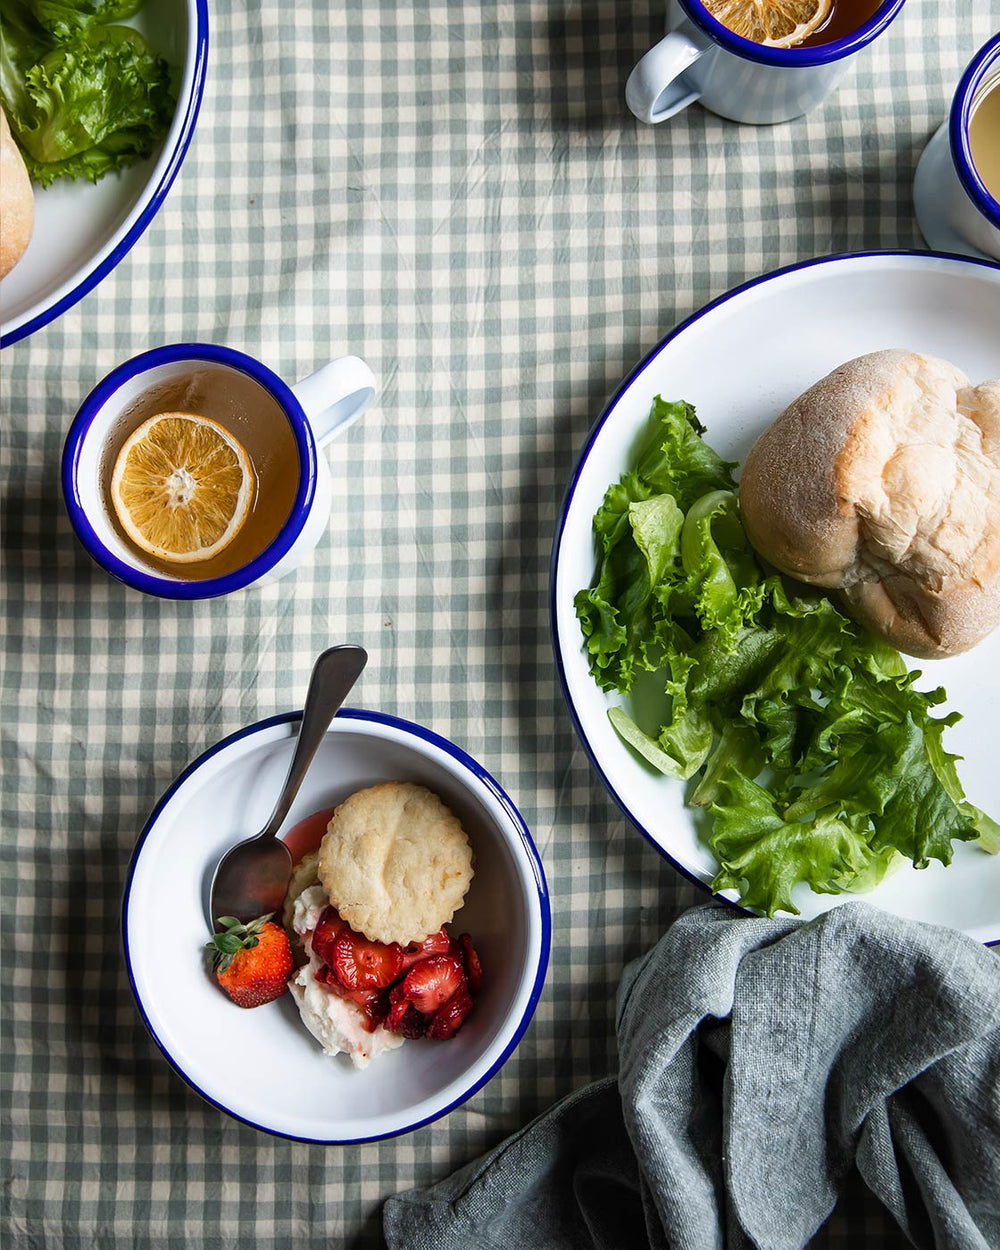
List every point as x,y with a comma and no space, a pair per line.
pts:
647,92
335,396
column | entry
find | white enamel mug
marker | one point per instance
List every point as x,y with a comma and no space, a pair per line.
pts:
316,409
955,209
700,59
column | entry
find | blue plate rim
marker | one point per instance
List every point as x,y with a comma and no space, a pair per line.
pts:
491,784
128,241
584,453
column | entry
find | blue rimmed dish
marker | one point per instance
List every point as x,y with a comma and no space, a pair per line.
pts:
701,59
262,1066
811,54
955,208
740,361
83,230
317,409
83,460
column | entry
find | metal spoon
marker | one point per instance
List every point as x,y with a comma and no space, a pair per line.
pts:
252,878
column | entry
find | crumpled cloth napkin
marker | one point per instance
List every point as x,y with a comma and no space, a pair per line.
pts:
760,1060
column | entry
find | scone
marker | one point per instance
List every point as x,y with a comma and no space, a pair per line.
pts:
395,862
883,480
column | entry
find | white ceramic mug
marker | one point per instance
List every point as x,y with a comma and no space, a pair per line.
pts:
700,59
316,409
955,210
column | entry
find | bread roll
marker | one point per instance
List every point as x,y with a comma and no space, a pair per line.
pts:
883,480
17,203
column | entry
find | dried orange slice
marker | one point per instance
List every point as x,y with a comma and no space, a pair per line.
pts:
182,487
774,23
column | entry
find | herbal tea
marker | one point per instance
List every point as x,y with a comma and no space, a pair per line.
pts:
792,23
984,136
200,473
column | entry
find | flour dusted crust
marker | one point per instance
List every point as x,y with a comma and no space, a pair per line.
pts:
395,862
883,480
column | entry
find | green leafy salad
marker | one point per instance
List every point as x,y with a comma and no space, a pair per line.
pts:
801,735
82,97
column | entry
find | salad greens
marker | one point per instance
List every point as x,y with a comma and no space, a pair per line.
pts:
802,734
82,98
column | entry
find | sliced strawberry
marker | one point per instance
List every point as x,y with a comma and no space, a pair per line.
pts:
365,965
375,1007
470,959
404,1018
325,975
435,944
449,1019
328,928
429,984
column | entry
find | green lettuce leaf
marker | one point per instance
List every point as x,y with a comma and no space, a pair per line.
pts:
804,737
765,856
677,461
690,743
63,17
82,105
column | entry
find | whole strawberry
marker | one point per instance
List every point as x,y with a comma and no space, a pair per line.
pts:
252,962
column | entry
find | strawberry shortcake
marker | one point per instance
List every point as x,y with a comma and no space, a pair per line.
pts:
360,995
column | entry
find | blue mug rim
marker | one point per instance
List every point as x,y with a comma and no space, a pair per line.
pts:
820,54
958,129
211,587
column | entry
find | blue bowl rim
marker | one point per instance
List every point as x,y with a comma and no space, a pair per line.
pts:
958,129
486,779
128,241
582,457
820,54
207,588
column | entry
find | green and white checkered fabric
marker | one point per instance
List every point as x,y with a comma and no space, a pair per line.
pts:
457,193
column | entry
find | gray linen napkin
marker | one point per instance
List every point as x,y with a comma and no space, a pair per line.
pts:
760,1061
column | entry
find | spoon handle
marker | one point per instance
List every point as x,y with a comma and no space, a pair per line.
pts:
333,675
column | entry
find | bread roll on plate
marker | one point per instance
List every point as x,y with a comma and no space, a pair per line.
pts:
883,480
17,202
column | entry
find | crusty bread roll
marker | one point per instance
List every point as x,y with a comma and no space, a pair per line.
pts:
17,202
883,480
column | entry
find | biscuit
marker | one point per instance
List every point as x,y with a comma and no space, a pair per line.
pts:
395,862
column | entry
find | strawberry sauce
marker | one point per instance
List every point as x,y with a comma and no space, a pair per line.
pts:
308,834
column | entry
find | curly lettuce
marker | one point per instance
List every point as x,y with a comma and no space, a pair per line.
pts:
807,745
82,98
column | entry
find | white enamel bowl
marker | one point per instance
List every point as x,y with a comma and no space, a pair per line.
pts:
740,361
261,1065
82,230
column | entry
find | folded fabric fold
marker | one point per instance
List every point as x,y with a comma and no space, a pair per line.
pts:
760,1062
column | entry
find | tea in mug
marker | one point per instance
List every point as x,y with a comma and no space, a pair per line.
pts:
792,23
984,136
199,474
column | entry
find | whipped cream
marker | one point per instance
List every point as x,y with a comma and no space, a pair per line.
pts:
336,1023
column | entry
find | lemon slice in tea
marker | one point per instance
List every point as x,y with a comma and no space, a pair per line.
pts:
182,487
774,23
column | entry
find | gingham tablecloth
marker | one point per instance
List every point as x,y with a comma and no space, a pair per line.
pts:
457,193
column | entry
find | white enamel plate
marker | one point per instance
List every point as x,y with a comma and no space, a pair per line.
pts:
740,361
